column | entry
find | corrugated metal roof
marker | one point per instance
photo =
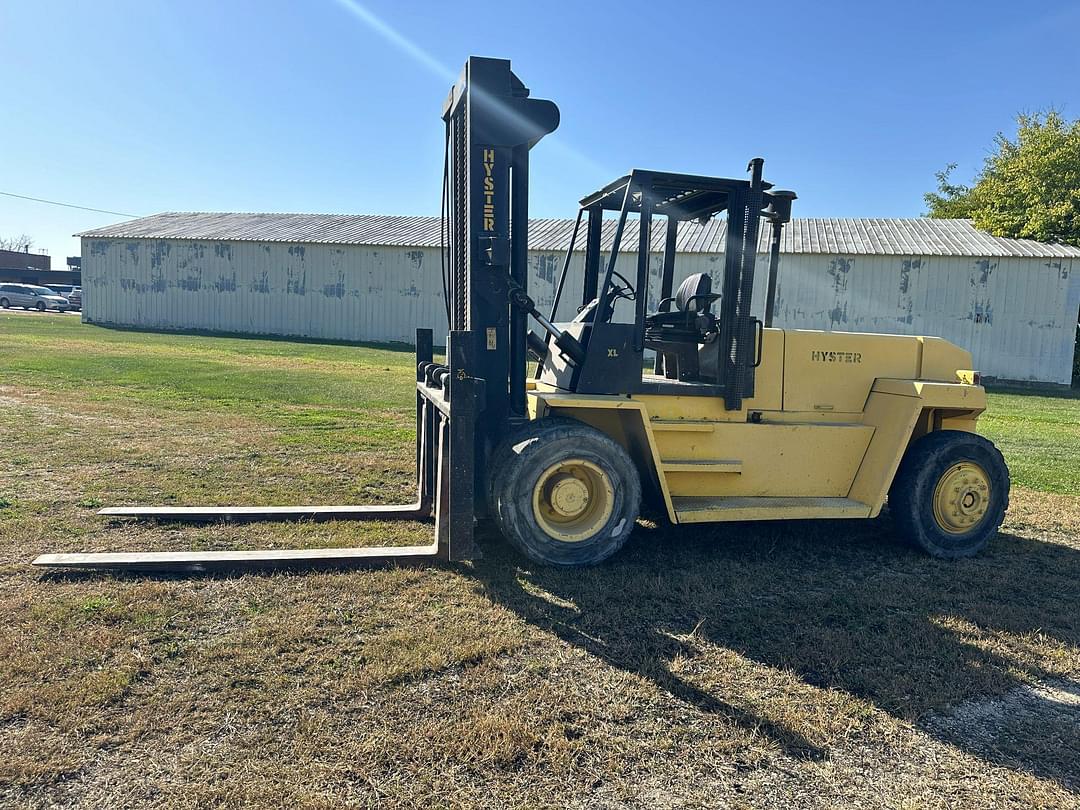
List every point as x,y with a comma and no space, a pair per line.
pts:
907,237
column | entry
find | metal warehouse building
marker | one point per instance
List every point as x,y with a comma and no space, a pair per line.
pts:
1012,302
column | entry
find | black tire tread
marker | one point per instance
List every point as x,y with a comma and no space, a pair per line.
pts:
911,493
503,452
516,458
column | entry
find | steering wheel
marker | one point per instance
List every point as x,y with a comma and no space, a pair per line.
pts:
628,292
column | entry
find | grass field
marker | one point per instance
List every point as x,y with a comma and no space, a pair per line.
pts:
750,665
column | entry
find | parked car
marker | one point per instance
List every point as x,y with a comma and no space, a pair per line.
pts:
30,296
72,293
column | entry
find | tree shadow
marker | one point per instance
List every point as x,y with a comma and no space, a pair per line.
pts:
842,605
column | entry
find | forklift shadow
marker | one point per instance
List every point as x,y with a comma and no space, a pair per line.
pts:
844,606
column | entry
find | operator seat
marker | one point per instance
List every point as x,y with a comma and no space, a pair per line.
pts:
676,335
695,294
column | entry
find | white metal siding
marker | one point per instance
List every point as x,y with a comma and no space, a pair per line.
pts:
1016,314
318,291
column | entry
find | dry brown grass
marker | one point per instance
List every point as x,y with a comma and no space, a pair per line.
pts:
774,665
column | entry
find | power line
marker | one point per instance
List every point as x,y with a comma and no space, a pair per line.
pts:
67,205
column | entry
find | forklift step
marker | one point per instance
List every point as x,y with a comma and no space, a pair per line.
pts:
722,465
695,509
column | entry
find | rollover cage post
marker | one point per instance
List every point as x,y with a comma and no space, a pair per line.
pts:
667,279
592,255
566,266
605,310
641,294
736,321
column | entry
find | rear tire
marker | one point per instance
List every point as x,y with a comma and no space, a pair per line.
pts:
40,306
950,494
564,493
5,304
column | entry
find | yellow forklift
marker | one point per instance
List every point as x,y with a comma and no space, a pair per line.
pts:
735,420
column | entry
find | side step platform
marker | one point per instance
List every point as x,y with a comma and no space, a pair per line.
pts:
694,509
445,466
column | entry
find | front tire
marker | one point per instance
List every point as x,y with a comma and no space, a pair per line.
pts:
40,306
5,304
564,493
950,494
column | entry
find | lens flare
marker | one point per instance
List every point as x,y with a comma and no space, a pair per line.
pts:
436,68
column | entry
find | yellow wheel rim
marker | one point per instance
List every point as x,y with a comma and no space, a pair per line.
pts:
572,500
961,497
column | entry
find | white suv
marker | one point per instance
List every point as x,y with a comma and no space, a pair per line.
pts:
29,296
72,293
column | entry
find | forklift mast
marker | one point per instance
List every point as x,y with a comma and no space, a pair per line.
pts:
491,124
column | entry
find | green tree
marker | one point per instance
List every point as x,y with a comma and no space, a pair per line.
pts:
950,201
1028,188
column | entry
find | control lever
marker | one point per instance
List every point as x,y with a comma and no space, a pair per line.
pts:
566,342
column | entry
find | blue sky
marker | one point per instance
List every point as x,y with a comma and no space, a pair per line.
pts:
333,106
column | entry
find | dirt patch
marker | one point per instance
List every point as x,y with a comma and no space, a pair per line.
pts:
1034,727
